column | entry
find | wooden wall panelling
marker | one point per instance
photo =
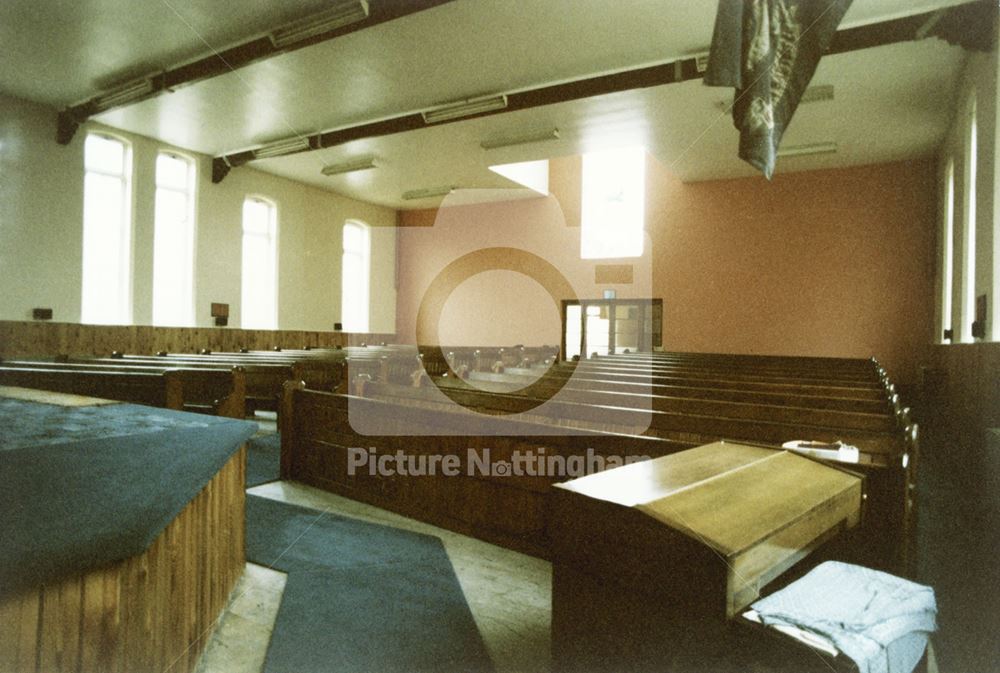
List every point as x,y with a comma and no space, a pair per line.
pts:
36,339
962,392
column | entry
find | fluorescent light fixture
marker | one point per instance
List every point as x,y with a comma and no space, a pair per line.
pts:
806,150
465,108
701,62
281,148
126,93
509,141
342,14
427,193
362,164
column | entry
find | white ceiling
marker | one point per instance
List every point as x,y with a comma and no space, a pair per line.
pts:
890,102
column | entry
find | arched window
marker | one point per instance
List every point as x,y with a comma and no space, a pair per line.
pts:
173,241
259,308
355,279
968,296
106,286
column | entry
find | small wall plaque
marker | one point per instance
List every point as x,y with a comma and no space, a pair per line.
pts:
220,312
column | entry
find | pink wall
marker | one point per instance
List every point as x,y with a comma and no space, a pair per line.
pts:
835,262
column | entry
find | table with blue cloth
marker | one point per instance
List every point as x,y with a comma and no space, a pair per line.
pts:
122,529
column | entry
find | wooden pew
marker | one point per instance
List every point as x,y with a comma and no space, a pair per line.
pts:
867,399
699,421
787,385
322,373
317,436
505,509
480,358
841,367
219,392
546,386
789,410
730,373
264,379
888,454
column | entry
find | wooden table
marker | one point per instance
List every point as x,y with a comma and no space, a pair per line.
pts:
651,561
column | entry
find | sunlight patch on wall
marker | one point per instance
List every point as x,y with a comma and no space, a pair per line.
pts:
532,174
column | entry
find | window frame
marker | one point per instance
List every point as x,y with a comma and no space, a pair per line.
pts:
124,291
365,255
272,235
191,194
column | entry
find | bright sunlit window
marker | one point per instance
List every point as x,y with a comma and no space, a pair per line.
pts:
948,248
969,232
106,286
355,285
259,309
173,242
613,204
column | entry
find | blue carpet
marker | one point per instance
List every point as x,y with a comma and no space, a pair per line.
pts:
361,597
263,459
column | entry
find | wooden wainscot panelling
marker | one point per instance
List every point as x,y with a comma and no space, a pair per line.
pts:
962,392
153,612
40,339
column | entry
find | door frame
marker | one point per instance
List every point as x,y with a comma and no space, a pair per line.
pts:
650,334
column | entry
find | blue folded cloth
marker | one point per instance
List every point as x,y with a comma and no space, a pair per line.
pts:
861,611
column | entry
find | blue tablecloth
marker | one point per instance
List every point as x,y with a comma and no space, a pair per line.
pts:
86,486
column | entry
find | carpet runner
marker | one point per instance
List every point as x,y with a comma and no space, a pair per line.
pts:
361,597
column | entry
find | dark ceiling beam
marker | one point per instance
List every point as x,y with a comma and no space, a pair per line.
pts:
963,17
227,60
970,26
668,73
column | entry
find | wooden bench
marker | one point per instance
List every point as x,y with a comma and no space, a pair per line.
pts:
514,382
322,369
887,455
508,509
216,391
791,411
841,367
264,377
700,421
730,373
727,380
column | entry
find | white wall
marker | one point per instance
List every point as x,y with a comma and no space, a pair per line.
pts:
41,214
41,206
